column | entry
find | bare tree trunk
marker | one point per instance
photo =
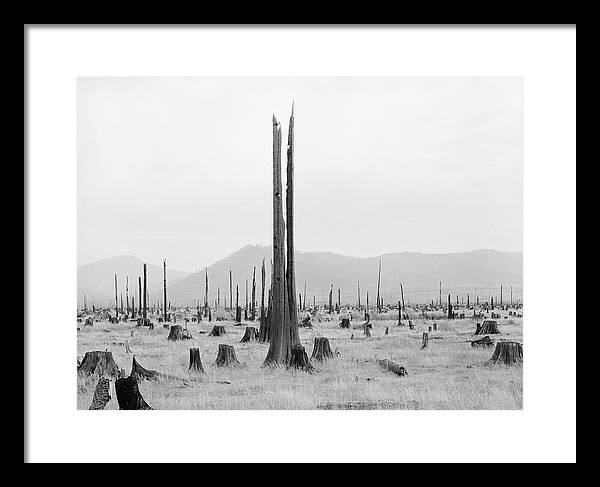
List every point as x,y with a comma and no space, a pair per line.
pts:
230,290
254,294
145,305
279,348
165,290
291,265
116,297
378,287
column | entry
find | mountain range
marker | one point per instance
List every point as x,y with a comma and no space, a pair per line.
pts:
477,272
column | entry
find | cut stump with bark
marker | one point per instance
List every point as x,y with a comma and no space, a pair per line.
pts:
305,323
217,331
489,327
508,353
368,331
425,341
321,350
393,367
177,332
128,394
195,361
141,373
345,323
250,335
226,356
101,363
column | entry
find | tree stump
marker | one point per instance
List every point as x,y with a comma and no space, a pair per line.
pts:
482,342
425,342
410,325
393,367
305,323
238,314
226,356
217,331
178,333
299,359
250,335
195,362
435,327
429,329
127,349
489,327
139,372
345,323
128,394
387,330
321,349
508,353
101,394
368,330
101,363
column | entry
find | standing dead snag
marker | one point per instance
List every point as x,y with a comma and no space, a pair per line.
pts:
378,287
508,353
331,300
263,334
195,361
253,306
101,394
321,349
393,367
250,335
226,356
128,394
425,342
165,290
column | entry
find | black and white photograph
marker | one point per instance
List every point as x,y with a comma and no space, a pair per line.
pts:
342,245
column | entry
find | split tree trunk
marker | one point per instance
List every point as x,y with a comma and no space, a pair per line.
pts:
139,372
101,394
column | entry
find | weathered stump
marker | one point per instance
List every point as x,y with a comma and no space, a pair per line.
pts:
128,394
101,363
425,342
345,323
393,367
127,349
101,394
477,328
387,330
142,373
508,353
489,327
217,331
435,327
410,325
238,314
429,329
178,333
299,359
482,342
305,323
250,335
226,356
195,361
368,330
321,349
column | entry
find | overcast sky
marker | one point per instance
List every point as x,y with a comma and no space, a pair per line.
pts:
181,168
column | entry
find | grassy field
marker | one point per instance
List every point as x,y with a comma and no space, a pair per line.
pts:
449,374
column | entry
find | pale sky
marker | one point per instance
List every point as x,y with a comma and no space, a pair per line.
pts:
181,168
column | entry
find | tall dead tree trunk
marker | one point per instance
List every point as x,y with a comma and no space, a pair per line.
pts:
449,308
378,287
206,293
263,334
331,300
139,296
116,297
126,294
230,290
145,305
165,290
358,291
254,294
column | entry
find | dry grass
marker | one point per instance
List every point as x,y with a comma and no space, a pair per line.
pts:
449,374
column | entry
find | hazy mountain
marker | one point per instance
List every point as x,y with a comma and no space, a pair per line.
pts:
478,271
97,280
